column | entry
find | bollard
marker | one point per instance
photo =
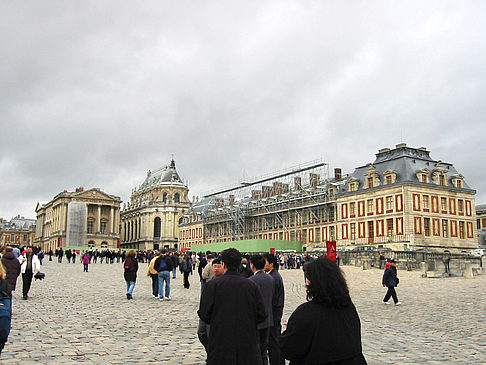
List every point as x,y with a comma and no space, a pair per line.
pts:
366,264
468,274
423,269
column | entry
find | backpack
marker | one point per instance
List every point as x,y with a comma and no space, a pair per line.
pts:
5,315
160,264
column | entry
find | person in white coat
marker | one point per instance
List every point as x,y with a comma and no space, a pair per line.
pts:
30,264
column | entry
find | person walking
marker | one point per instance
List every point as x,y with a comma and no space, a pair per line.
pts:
163,265
186,269
131,267
326,329
29,265
85,261
390,280
154,275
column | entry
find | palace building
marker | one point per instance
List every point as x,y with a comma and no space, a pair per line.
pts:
404,199
151,219
19,231
79,219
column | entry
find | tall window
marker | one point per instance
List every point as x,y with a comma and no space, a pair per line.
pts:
164,197
443,204
460,205
103,227
352,210
459,183
445,232
441,180
425,201
157,227
388,179
389,227
389,203
427,226
176,197
353,231
370,206
461,230
90,226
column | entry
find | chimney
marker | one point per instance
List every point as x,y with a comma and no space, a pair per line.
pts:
337,173
386,149
422,148
400,145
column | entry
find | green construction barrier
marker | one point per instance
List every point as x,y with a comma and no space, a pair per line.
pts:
256,245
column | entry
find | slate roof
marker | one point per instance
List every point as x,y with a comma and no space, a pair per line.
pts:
405,162
165,175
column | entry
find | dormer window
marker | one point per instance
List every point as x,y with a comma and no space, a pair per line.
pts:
457,181
390,176
441,180
371,177
388,179
353,184
423,176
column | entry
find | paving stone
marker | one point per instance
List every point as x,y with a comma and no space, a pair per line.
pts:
73,317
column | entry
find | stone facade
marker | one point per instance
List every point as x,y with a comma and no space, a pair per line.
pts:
150,220
481,224
83,218
19,231
403,200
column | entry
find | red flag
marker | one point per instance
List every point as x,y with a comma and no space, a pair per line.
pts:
331,250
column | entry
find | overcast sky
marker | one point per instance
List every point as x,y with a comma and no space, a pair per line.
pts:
94,94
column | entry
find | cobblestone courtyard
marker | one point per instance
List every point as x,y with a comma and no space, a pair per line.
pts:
76,317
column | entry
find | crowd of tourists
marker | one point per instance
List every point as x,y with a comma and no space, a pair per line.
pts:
241,304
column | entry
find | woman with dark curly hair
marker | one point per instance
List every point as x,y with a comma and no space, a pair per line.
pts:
326,329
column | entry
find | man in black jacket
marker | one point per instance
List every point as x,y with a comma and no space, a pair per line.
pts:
265,284
390,280
278,298
233,306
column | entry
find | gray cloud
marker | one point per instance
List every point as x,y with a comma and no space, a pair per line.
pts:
97,93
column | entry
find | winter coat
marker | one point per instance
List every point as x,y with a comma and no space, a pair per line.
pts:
186,265
233,306
131,267
320,335
35,263
390,277
12,268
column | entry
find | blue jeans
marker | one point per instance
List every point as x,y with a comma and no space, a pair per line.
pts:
130,287
174,270
155,284
164,276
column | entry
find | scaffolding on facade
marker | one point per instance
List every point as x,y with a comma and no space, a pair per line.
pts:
271,202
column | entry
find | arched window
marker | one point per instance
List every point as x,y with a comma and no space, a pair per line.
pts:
157,227
181,220
164,197
176,197
91,244
104,244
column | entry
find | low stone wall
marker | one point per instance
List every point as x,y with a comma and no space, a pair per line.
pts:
411,260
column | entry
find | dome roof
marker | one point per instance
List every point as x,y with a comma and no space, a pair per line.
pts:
162,176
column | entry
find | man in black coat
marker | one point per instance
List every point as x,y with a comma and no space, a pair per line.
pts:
265,284
390,280
233,306
278,298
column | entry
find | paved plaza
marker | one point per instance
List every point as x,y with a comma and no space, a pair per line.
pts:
75,317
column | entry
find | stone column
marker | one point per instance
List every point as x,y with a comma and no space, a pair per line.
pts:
98,220
112,221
